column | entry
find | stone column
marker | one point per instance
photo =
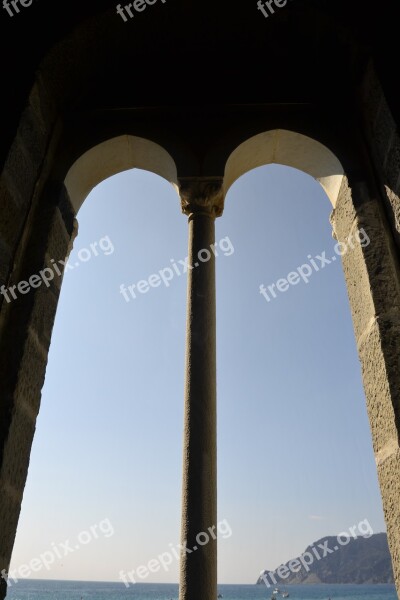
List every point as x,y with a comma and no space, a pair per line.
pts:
202,201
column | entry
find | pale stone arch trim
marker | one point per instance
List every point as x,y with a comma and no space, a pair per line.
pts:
286,148
114,156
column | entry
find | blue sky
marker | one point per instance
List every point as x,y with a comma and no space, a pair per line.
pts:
295,458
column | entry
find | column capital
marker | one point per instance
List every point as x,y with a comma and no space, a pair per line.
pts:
202,195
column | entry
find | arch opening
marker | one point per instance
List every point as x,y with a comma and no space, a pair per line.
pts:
290,149
113,156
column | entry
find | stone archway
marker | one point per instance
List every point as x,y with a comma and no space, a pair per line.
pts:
292,150
355,206
76,90
373,285
112,157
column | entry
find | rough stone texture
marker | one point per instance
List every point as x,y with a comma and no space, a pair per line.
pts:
43,105
59,238
384,130
5,262
31,376
10,510
384,144
389,479
12,219
372,98
19,172
381,127
18,178
372,278
16,456
26,326
392,166
394,202
371,271
12,215
24,406
378,391
44,313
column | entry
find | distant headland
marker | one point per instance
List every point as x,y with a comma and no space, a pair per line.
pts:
361,560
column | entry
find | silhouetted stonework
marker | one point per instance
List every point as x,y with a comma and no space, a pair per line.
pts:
202,78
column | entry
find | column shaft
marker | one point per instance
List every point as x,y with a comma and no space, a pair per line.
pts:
199,510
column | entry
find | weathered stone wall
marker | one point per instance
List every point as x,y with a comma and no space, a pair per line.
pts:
376,313
372,279
37,224
18,179
383,139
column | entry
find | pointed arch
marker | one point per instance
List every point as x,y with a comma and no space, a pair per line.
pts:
290,149
114,156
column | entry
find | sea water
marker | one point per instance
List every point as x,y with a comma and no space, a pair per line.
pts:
75,590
